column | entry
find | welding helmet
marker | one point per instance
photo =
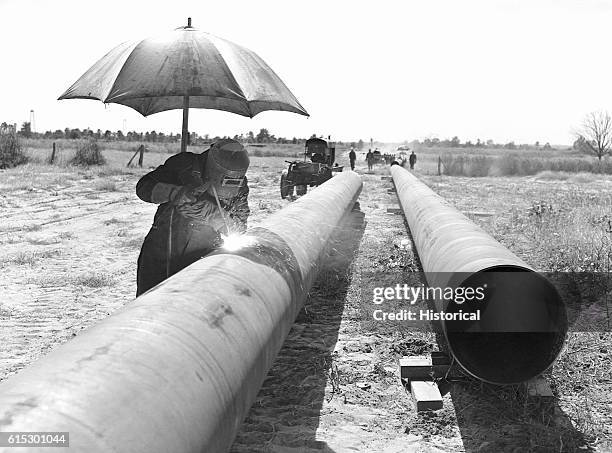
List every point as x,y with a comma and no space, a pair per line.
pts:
226,166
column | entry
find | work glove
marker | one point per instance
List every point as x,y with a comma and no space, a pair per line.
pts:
225,227
185,195
191,189
198,207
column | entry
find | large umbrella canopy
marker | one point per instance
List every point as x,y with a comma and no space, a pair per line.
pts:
181,69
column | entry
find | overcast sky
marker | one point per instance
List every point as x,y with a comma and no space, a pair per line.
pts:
392,70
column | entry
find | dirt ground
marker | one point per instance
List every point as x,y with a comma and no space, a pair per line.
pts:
71,239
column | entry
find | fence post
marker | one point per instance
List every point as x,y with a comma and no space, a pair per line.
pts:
134,155
52,155
141,157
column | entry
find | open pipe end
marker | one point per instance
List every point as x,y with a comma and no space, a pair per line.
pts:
522,326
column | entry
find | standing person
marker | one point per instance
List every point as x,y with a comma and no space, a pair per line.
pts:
188,223
352,158
412,160
370,159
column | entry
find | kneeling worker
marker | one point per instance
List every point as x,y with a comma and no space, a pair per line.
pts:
189,189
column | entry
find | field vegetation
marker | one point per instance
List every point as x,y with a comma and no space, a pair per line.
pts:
40,149
11,149
72,234
481,162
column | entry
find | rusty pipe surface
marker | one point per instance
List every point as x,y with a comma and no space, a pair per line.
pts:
523,320
177,369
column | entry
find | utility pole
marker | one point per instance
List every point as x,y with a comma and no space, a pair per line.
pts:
32,124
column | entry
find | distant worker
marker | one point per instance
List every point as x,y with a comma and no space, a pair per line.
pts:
370,159
412,160
188,224
352,158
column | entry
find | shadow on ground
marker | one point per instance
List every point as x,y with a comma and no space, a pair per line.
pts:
285,415
503,419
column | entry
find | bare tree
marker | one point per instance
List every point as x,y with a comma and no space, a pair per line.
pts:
596,134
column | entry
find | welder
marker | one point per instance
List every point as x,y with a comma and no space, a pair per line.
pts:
201,197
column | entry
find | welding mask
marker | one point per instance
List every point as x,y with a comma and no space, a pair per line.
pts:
226,166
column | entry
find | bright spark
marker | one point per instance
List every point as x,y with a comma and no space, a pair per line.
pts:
235,241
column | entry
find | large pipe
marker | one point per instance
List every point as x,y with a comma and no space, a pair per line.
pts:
177,369
523,320
399,161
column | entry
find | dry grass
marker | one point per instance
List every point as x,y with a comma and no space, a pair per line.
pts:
273,150
123,146
515,164
556,222
39,175
42,147
48,281
133,243
88,154
88,280
93,280
114,221
29,258
552,220
11,150
123,232
42,240
106,185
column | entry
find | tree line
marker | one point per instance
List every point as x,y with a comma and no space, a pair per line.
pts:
593,136
263,136
455,142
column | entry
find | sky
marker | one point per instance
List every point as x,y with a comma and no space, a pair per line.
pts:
505,70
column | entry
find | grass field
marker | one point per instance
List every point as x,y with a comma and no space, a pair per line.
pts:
41,148
71,237
481,162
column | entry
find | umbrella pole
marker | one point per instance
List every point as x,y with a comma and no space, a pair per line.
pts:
185,133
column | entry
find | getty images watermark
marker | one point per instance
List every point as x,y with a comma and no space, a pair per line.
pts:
414,294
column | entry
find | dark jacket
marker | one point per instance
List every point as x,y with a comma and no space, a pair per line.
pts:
175,239
352,155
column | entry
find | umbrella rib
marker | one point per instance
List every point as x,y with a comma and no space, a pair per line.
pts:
231,76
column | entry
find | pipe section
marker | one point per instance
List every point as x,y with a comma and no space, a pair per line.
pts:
523,320
177,369
398,161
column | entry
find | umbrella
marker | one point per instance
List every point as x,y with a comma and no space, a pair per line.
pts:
181,69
